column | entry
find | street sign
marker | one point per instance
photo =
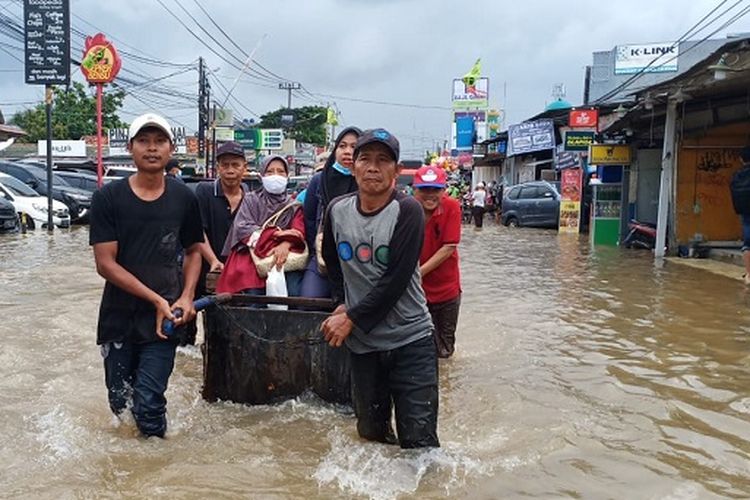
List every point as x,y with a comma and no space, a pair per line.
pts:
47,42
247,138
271,138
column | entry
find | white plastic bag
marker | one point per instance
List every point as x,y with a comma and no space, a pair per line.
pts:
276,287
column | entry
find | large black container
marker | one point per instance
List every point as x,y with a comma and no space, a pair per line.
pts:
259,356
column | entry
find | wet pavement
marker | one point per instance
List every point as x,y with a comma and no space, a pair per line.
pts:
578,373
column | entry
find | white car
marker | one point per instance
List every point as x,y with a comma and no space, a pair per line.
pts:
30,205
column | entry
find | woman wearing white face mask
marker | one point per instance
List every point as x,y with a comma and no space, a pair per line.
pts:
240,274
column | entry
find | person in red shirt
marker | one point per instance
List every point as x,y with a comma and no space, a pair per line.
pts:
438,262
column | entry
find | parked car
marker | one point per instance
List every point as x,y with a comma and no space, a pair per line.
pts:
30,206
534,204
8,216
114,173
77,200
82,180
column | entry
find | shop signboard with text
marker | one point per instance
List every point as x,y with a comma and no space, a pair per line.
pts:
647,58
529,137
576,140
609,154
571,184
583,118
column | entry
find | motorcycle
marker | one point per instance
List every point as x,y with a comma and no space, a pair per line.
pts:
640,235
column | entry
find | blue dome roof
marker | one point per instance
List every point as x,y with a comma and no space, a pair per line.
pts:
558,104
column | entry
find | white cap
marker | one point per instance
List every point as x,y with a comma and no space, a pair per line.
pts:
150,120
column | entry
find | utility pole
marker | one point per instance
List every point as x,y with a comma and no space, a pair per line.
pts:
289,87
202,110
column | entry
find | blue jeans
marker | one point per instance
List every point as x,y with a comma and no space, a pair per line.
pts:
745,232
140,372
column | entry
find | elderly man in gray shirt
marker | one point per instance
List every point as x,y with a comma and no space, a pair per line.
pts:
371,245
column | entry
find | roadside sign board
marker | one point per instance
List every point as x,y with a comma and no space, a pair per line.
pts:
609,154
47,41
249,138
578,141
271,139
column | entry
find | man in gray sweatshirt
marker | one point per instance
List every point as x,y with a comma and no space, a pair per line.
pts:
371,245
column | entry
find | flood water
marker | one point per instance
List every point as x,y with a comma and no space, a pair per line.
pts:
578,374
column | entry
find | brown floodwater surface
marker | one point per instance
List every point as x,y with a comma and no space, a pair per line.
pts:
578,373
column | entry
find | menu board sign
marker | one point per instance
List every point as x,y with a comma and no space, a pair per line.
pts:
47,41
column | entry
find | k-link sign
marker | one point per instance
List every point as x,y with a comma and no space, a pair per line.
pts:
649,58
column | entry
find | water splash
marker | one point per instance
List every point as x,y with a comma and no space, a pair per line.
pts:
58,433
383,472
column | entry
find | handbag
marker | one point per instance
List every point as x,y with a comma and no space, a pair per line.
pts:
263,237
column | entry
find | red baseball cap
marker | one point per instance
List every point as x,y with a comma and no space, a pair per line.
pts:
430,177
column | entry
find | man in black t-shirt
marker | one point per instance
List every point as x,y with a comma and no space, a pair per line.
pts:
138,227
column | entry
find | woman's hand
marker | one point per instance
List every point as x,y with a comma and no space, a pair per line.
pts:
280,253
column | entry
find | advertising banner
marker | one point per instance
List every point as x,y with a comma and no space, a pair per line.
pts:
636,58
583,118
248,138
566,159
578,141
609,154
571,184
464,133
118,141
47,42
470,96
533,136
71,149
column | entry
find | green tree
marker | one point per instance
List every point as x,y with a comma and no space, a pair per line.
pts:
309,123
73,114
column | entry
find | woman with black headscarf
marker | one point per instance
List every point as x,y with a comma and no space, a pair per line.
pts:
334,180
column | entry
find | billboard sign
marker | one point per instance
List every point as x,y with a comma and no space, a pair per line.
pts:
529,137
578,141
47,42
583,118
248,138
636,58
464,133
470,96
118,141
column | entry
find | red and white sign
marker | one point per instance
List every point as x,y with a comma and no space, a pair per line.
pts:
583,118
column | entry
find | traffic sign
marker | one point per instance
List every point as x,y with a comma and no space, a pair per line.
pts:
272,138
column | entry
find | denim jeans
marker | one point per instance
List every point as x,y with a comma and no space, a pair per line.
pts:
139,372
745,232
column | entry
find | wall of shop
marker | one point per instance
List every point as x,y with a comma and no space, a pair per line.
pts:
705,165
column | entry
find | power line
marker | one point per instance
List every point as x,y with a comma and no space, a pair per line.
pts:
692,31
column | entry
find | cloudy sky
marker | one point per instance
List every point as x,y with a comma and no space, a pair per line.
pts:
345,51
